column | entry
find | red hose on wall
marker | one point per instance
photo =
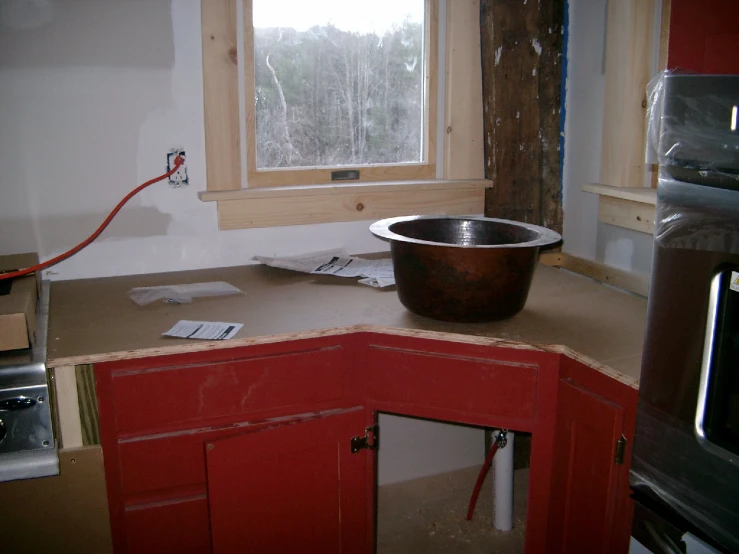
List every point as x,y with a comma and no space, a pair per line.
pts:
61,257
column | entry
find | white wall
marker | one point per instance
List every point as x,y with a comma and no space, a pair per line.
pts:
583,235
93,93
583,124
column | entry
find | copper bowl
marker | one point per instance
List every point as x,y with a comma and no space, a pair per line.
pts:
468,269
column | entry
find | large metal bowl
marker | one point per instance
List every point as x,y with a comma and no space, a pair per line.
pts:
469,269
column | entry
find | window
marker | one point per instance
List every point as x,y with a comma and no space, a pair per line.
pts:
342,86
394,95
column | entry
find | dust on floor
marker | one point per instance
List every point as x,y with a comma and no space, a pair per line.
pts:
429,515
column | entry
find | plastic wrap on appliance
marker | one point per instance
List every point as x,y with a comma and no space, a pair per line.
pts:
667,461
693,121
696,217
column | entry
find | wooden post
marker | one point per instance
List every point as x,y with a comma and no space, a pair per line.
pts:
522,76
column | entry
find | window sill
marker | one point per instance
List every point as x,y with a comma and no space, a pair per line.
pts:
631,208
277,206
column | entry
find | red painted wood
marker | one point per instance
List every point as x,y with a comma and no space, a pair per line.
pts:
453,348
279,347
454,383
585,477
293,488
474,384
111,459
165,398
703,37
169,466
542,454
174,528
626,398
721,53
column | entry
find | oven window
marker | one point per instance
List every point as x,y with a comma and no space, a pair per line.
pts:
721,420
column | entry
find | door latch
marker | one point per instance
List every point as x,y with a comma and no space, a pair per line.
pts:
369,441
620,450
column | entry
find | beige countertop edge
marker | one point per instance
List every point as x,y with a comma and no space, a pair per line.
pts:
182,348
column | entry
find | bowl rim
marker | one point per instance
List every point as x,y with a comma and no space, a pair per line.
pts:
546,237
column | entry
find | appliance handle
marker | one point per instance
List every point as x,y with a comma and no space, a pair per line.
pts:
704,386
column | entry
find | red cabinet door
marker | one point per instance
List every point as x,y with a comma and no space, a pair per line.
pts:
291,488
586,480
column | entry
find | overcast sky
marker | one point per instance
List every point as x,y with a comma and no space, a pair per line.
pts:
362,16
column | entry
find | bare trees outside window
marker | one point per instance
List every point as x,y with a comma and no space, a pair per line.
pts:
339,89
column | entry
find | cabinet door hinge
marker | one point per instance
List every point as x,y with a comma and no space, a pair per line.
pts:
370,440
620,450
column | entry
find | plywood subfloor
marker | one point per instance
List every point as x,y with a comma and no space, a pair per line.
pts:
428,515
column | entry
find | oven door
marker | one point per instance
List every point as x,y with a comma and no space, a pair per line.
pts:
717,414
686,446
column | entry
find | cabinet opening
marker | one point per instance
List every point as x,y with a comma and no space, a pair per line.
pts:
426,473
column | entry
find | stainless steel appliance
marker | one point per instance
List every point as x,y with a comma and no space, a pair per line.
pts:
27,445
685,464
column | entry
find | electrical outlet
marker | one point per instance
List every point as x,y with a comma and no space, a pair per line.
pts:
178,178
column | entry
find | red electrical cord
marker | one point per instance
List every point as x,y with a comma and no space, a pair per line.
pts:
48,263
480,478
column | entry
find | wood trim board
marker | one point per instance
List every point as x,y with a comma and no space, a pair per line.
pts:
634,194
221,94
67,407
463,137
626,213
632,282
88,404
629,44
348,205
631,208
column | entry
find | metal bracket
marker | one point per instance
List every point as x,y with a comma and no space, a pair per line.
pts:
620,450
369,441
501,438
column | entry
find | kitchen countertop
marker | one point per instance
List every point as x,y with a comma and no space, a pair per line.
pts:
94,320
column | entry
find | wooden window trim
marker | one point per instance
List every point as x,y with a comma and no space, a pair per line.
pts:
455,188
277,177
300,205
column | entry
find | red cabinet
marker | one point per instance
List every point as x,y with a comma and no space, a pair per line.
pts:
590,509
248,449
297,486
158,414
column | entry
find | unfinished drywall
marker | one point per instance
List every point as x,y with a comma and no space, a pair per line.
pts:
583,127
93,96
412,448
583,235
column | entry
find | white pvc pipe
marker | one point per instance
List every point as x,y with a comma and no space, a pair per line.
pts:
503,485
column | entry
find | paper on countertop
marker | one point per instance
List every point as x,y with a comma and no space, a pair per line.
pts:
304,263
181,293
378,283
375,273
208,330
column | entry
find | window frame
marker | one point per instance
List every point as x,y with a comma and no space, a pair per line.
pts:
291,176
457,187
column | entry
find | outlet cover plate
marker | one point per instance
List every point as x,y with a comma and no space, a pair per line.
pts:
179,178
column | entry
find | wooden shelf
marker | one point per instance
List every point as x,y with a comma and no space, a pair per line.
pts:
631,208
640,195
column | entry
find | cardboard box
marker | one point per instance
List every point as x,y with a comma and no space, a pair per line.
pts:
18,308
